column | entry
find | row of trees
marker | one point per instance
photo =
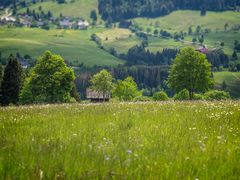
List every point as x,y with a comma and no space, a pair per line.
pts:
190,72
112,10
50,81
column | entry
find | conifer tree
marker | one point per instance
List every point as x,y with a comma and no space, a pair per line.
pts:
11,83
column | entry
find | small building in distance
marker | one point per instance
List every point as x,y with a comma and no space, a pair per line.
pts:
82,24
96,97
203,49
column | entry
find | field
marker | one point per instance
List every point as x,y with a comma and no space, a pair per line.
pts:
119,39
182,20
74,46
78,8
232,80
171,140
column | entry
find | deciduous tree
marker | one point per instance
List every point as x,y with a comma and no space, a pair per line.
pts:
102,82
126,90
51,81
190,71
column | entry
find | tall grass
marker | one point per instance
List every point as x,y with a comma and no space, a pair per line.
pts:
172,140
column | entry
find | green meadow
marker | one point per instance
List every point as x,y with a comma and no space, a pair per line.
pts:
170,140
76,8
119,39
74,46
232,80
181,20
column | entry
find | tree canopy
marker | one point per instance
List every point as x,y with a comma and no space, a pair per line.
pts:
124,9
190,71
126,89
12,82
50,81
102,82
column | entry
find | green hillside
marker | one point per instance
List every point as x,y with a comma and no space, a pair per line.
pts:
75,46
77,8
232,80
119,39
182,20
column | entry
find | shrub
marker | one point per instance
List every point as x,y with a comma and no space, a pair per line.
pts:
182,95
217,95
142,99
198,97
160,96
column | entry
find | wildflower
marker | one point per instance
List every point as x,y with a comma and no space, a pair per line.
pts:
129,151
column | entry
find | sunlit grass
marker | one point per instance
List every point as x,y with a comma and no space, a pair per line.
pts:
172,140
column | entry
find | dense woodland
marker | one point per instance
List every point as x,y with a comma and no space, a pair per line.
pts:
114,10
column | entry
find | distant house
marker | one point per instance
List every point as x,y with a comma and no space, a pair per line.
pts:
7,19
82,24
203,49
66,23
95,96
26,20
24,64
40,23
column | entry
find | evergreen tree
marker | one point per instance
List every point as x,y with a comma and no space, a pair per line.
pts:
234,56
93,15
12,81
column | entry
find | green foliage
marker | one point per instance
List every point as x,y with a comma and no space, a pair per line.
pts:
126,90
93,15
217,95
190,71
102,82
75,94
12,82
160,96
198,97
1,75
142,99
74,46
51,81
182,95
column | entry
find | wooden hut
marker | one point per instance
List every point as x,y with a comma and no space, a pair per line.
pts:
95,96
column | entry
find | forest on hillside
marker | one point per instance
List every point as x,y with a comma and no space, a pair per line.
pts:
114,10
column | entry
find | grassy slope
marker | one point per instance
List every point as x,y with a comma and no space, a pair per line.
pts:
79,8
119,39
72,45
189,140
182,20
232,80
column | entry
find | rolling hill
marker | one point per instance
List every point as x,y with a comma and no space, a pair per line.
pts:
74,46
232,80
180,21
76,8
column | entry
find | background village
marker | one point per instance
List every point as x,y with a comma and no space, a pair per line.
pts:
42,20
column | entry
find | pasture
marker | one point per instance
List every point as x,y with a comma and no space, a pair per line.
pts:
76,8
181,20
232,80
74,46
170,140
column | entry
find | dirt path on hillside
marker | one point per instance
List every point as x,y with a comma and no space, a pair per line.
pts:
236,76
